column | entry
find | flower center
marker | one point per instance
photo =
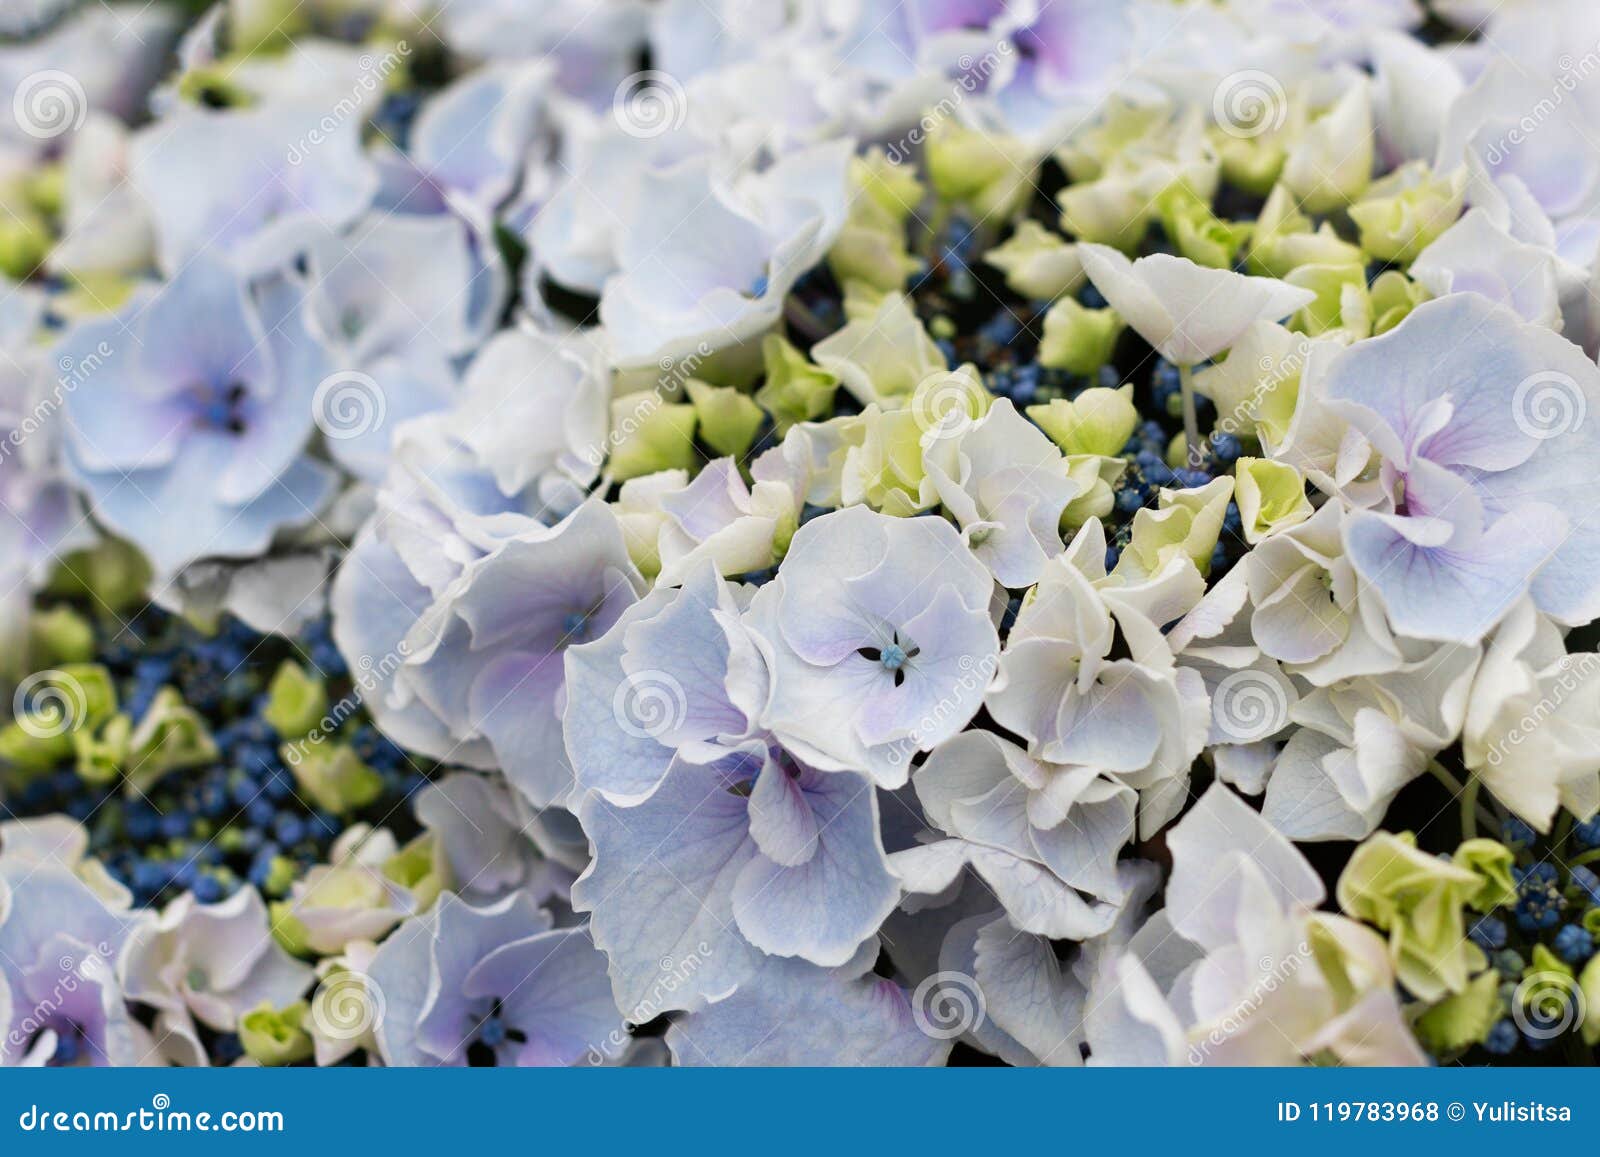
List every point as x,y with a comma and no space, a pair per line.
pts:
223,409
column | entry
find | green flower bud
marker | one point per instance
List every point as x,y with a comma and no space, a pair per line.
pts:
112,574
1336,287
1417,899
1462,1019
1038,264
24,242
1589,985
1097,479
1405,212
60,635
990,173
1391,299
420,867
892,187
1198,233
1186,522
287,929
1284,240
171,736
1098,421
101,756
1077,339
649,435
296,701
1271,497
728,418
795,389
1492,862
273,1037
333,776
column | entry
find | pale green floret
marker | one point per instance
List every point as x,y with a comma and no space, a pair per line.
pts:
1418,899
1098,421
1271,497
296,701
1077,339
274,1036
728,417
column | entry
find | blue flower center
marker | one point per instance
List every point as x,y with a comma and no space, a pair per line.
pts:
223,409
893,657
575,624
492,1031
758,287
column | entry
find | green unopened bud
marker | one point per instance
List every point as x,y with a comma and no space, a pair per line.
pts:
1407,211
1271,497
102,754
1038,264
894,188
1391,299
871,255
287,929
1463,1019
213,86
420,867
1098,422
113,574
296,701
1284,239
649,435
1097,479
728,417
170,736
60,635
274,1036
333,776
1198,233
1335,287
1589,985
45,188
24,243
1077,339
796,390
988,172
1492,862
